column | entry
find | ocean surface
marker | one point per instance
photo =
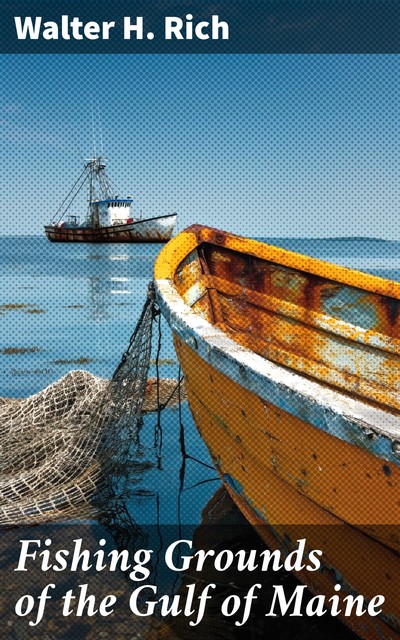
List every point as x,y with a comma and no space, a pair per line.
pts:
63,304
65,307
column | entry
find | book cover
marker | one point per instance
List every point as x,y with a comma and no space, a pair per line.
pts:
199,355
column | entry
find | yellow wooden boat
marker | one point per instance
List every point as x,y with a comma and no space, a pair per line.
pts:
291,367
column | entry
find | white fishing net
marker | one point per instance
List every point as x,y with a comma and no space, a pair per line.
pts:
62,451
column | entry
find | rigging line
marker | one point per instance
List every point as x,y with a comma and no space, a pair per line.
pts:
112,183
174,390
71,201
182,470
71,191
204,464
158,430
160,537
150,300
198,484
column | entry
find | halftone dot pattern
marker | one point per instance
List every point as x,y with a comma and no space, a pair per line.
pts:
278,314
276,457
265,146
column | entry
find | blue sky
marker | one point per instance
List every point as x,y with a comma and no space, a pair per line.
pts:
264,145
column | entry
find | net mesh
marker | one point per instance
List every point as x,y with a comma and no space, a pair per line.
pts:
62,451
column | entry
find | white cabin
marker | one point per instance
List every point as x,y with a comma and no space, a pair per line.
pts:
114,211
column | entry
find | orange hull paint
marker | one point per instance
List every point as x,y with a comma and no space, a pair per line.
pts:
292,372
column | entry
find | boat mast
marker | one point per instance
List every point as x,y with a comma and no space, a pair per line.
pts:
101,201
99,182
93,205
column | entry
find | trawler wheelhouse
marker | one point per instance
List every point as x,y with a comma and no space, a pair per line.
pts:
114,211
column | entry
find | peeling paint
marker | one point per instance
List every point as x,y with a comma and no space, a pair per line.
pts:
294,387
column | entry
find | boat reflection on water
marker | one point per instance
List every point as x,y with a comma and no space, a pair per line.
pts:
117,278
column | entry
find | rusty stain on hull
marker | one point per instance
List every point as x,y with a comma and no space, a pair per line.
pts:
344,335
158,229
291,366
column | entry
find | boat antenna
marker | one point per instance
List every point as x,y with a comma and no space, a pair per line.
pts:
100,130
94,134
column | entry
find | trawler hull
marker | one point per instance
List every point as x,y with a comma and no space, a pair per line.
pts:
157,229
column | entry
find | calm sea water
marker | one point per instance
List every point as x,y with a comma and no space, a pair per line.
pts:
64,307
75,307
81,302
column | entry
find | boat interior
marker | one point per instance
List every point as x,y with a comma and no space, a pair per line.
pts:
336,325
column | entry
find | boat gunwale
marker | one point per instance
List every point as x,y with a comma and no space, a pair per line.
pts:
350,419
298,261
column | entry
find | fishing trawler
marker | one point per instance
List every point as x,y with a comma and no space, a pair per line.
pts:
108,217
